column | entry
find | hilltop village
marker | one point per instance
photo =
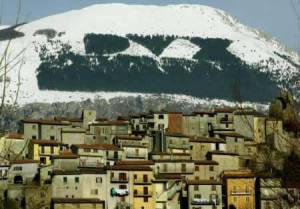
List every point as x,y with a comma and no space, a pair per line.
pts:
161,160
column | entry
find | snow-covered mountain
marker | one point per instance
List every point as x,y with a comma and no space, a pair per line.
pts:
110,50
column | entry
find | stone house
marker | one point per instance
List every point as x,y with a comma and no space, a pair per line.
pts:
177,143
235,143
224,119
86,183
66,160
97,155
13,147
182,167
226,160
205,170
204,194
23,171
201,145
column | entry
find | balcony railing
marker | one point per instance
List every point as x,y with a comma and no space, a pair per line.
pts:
240,192
142,181
119,192
119,180
197,201
142,194
179,146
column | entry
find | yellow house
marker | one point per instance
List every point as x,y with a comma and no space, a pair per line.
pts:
42,150
141,193
239,189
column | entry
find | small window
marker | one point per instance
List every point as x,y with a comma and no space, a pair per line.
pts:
197,196
160,116
145,199
49,173
33,137
196,168
196,187
135,176
42,149
33,127
211,168
98,180
76,179
52,150
95,150
123,186
247,199
52,138
213,188
65,179
17,168
87,150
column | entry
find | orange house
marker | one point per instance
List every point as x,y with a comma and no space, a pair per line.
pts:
239,186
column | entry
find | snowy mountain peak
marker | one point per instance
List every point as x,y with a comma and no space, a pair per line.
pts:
159,35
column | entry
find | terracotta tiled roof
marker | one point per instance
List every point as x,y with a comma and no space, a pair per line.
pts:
238,174
25,161
15,136
65,155
131,167
174,176
222,153
77,200
203,182
202,139
80,171
44,142
206,162
46,122
111,123
135,162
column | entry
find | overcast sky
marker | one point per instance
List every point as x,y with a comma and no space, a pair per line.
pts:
276,17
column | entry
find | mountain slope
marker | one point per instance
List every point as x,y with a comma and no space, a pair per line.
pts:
183,49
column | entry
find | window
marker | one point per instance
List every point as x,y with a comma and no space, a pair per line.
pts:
197,196
33,127
52,150
145,178
211,178
95,150
213,188
33,137
145,199
65,179
197,178
145,189
160,116
135,176
76,179
49,173
94,191
87,150
98,180
52,137
247,199
42,149
136,151
196,187
211,168
123,186
17,168
183,168
135,192
196,168
165,167
249,150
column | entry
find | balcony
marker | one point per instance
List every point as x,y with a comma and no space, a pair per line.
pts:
179,146
120,180
197,201
142,194
142,181
119,192
240,192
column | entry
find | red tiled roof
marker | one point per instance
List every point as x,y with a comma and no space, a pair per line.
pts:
45,122
131,167
206,162
135,162
15,136
238,174
202,139
44,142
25,161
